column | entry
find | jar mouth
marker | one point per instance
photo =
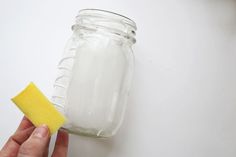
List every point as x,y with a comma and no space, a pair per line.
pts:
107,13
111,21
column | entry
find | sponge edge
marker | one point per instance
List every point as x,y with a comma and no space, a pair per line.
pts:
38,108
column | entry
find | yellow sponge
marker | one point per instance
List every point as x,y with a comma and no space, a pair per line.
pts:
38,108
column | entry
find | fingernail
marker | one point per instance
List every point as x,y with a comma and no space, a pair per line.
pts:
41,131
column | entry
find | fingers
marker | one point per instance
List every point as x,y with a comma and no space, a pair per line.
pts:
13,144
61,145
25,123
22,133
36,144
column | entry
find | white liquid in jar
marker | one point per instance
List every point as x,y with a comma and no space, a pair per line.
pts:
96,85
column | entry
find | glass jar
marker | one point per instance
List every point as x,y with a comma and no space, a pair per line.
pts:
95,73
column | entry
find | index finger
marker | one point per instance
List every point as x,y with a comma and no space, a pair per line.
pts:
25,123
13,144
22,133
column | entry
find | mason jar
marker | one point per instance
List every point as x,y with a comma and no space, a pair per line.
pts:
95,73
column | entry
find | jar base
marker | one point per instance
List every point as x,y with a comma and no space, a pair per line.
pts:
88,132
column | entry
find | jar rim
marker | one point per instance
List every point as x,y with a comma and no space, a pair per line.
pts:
106,12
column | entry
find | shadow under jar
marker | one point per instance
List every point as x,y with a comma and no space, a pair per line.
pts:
95,73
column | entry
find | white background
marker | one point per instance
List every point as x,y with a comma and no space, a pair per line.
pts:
183,100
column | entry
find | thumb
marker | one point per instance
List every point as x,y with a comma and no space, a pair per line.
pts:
36,144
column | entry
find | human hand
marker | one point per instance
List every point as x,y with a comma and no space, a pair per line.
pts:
29,141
